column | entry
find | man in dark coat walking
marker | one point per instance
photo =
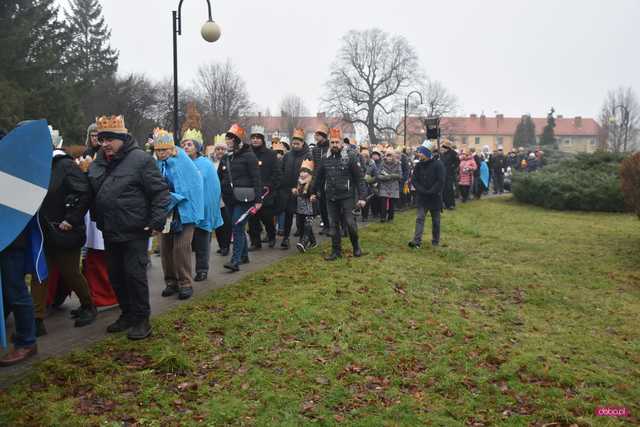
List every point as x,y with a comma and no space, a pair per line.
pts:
497,166
451,162
319,152
340,175
290,171
428,180
131,201
270,177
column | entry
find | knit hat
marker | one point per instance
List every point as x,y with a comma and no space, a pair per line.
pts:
162,140
298,133
92,128
424,151
428,145
111,127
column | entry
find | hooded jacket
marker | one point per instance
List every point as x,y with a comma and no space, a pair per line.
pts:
68,197
185,183
129,194
211,189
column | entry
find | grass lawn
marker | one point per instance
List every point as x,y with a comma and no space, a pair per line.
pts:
522,317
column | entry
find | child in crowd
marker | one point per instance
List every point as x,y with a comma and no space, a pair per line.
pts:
304,208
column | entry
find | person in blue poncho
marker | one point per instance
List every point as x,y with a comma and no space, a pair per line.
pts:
192,145
186,210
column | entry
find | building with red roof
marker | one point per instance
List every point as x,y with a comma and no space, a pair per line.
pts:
576,134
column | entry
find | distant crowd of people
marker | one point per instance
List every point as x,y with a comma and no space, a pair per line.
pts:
103,207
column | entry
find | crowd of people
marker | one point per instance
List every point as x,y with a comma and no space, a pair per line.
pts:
107,209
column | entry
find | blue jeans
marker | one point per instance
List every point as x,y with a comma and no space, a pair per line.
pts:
17,298
281,219
240,249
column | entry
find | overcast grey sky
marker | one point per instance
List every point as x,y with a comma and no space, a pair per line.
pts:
513,56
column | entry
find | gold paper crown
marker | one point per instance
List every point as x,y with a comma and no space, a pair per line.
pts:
219,139
308,165
193,135
114,124
298,133
335,134
162,139
322,128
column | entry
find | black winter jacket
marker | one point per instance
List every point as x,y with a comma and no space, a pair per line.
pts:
130,194
245,173
319,152
451,163
291,167
339,175
498,164
68,197
428,180
270,172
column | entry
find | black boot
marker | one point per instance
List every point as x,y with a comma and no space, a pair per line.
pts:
232,267
170,290
355,243
122,324
272,242
285,243
40,328
312,241
185,292
224,251
303,243
334,256
200,277
140,330
86,316
244,260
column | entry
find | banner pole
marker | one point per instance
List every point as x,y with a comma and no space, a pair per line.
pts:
3,330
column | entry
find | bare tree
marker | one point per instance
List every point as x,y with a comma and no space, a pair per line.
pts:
369,78
292,108
438,101
223,95
620,119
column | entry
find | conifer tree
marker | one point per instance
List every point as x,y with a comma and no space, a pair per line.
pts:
90,51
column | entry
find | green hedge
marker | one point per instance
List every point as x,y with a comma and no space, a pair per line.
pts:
587,182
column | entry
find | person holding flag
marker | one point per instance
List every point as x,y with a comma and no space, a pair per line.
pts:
241,189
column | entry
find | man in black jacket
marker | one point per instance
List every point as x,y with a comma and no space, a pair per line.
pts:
270,177
131,200
339,175
428,180
498,165
62,218
318,153
451,163
290,171
241,190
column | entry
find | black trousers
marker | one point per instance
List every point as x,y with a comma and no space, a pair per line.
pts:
324,209
266,217
498,182
341,212
448,195
306,237
223,234
127,265
464,192
289,216
201,245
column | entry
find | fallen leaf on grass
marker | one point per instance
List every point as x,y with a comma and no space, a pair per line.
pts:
399,289
187,386
322,380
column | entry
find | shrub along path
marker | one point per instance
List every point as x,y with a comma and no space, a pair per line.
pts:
522,317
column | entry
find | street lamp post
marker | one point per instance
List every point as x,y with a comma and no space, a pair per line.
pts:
406,108
210,32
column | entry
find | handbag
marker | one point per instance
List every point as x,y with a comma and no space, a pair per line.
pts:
73,239
240,194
